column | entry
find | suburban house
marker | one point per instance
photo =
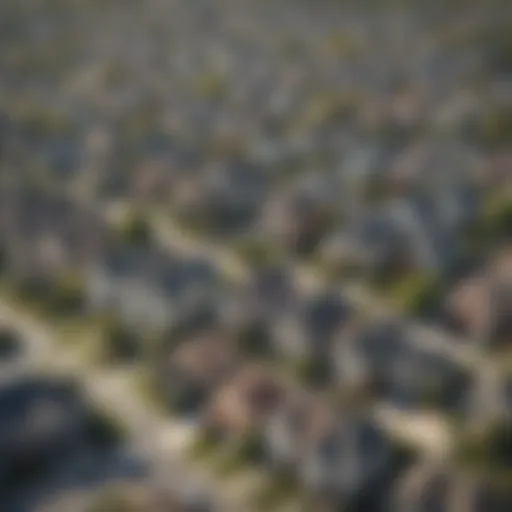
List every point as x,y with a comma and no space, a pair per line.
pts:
480,306
192,372
41,420
245,402
346,459
291,426
362,355
381,358
431,486
270,293
46,234
296,221
306,331
147,286
490,398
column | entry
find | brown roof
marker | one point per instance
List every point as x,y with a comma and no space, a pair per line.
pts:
207,358
472,303
247,399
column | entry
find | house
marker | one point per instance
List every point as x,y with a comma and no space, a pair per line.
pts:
149,286
297,220
480,306
225,198
192,372
363,354
291,425
384,242
245,402
48,234
348,459
306,331
380,358
430,486
270,293
419,378
338,455
41,420
490,398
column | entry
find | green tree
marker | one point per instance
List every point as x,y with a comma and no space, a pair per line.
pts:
313,371
67,295
497,216
135,230
420,294
488,450
253,340
257,253
118,342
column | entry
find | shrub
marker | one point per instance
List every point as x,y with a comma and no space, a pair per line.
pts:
256,252
500,48
249,450
274,494
313,371
135,230
204,445
118,342
32,289
498,216
420,294
496,126
212,87
253,340
67,295
9,343
111,501
489,450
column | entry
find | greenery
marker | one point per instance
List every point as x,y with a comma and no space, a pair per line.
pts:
9,343
212,87
150,390
253,340
313,371
32,290
496,126
497,216
3,260
257,252
500,48
135,230
118,343
111,500
203,446
488,450
419,294
282,488
67,295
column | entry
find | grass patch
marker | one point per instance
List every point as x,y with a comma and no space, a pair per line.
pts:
276,493
203,447
147,388
247,452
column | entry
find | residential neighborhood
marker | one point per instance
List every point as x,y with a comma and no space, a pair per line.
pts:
255,256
